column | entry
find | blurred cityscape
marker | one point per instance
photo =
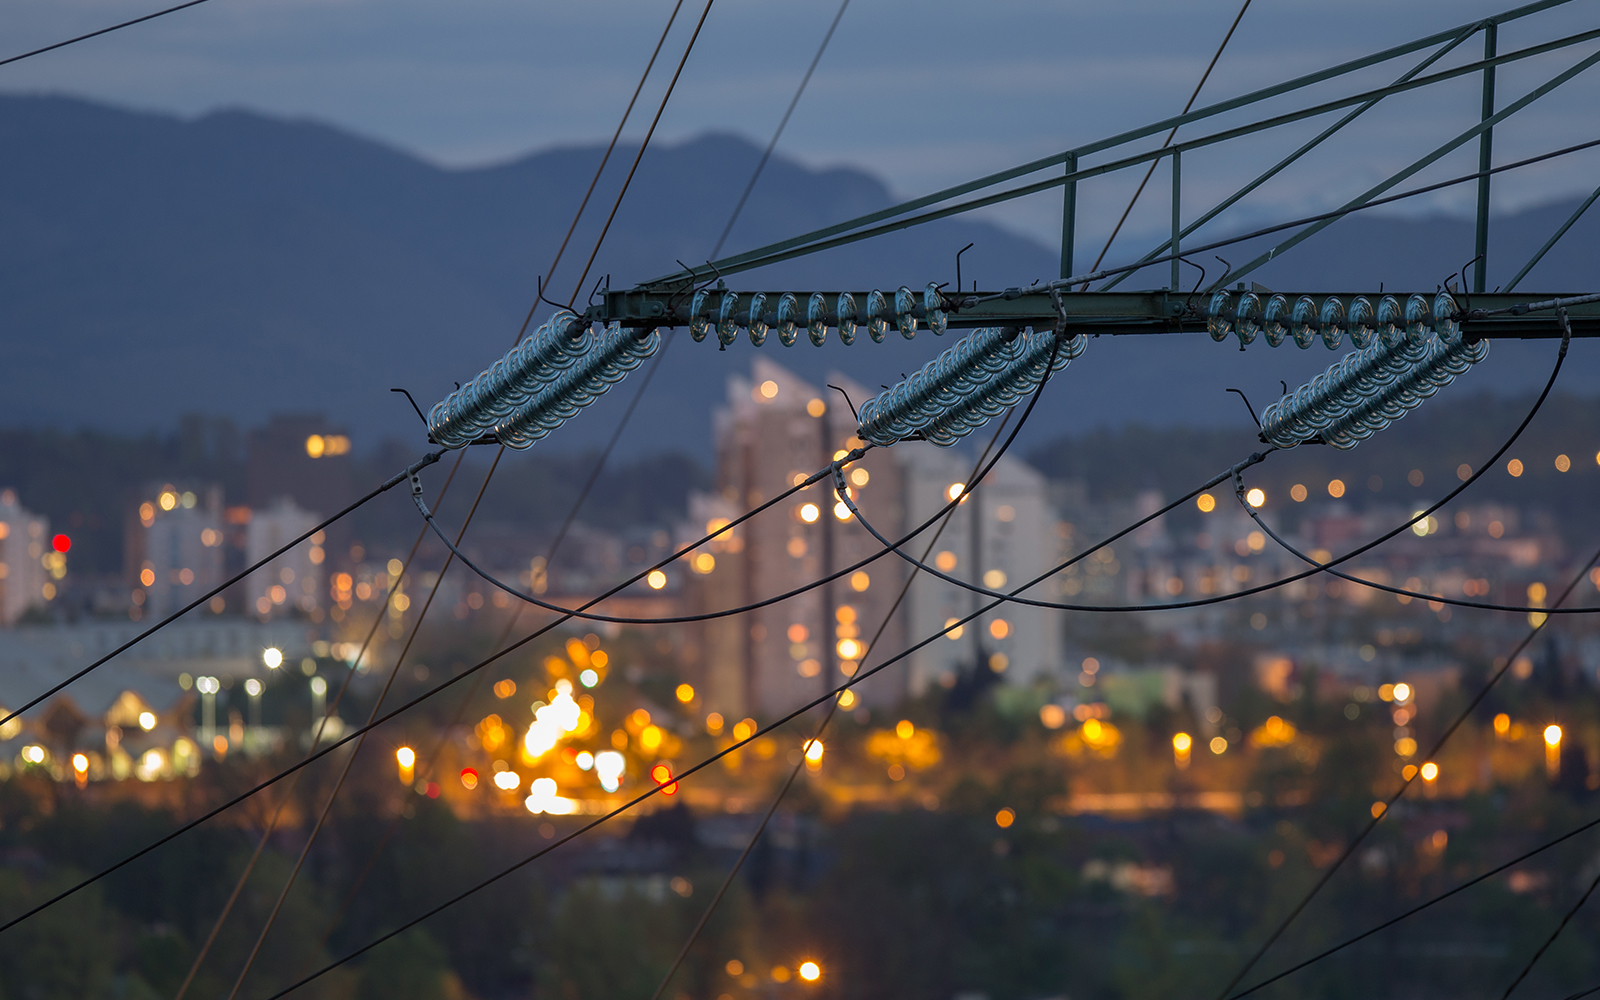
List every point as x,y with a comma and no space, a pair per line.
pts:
1130,753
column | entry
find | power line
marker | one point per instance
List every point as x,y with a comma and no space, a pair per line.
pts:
350,760
1369,932
1189,104
335,745
856,679
1372,824
766,155
833,709
642,147
782,496
97,34
1012,596
393,481
355,751
1566,919
332,709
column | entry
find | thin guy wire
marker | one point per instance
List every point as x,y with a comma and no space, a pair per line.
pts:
328,713
1419,908
350,759
1555,933
1149,173
578,288
833,708
782,124
796,713
1372,824
96,34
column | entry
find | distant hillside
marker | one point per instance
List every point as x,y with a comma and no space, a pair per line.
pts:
241,265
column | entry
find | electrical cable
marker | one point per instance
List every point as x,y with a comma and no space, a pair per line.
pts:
1012,597
604,159
1403,592
761,165
795,713
1079,279
321,727
627,414
350,759
348,737
501,451
1151,172
1555,933
1405,784
1257,457
822,727
738,261
393,481
1413,911
96,34
578,288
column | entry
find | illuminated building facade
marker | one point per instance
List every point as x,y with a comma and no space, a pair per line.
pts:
24,546
174,548
774,430
293,580
1003,535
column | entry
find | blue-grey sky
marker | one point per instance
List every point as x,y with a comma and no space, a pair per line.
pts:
922,94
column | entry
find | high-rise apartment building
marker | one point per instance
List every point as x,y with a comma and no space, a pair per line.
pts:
776,430
1001,535
24,545
292,580
173,548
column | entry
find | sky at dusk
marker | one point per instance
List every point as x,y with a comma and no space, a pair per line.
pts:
921,94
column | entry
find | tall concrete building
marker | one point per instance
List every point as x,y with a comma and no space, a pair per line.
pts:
776,429
173,548
24,545
1001,535
293,580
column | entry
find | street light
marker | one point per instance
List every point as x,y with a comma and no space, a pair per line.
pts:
252,740
208,688
1552,751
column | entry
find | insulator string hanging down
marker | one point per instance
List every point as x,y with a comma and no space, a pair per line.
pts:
541,383
966,386
1401,362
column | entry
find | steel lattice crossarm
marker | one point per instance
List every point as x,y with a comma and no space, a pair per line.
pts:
1243,313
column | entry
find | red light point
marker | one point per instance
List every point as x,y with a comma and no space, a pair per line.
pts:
433,790
661,774
61,543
